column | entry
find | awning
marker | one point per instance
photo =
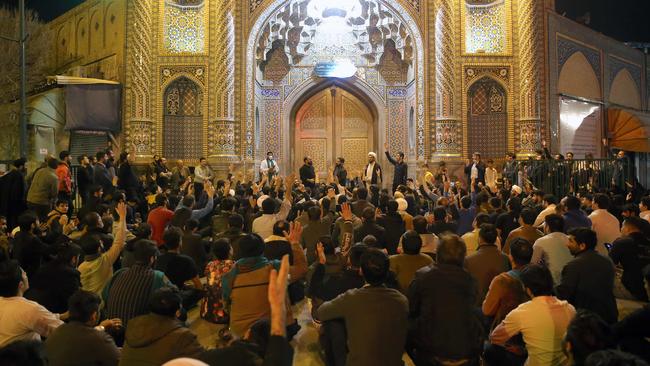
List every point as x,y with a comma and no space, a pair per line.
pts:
628,130
75,80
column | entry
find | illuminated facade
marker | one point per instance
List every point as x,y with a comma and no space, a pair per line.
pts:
430,77
437,79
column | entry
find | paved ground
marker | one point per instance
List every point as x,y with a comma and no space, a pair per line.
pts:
305,343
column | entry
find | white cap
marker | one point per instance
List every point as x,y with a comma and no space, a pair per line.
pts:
517,189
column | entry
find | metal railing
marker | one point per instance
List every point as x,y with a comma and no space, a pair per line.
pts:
562,177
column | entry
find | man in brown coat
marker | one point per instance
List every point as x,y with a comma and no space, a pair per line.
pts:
158,337
526,230
487,262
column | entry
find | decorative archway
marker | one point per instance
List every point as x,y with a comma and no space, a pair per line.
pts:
407,26
487,118
182,119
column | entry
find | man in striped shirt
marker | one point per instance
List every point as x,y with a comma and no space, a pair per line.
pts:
127,294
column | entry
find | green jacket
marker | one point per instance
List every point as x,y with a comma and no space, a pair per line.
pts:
44,187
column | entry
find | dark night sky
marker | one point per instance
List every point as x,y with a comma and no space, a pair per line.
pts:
625,20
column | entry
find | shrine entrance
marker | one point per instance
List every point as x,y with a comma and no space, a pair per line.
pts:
330,124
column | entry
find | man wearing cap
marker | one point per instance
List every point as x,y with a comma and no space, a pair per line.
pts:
372,172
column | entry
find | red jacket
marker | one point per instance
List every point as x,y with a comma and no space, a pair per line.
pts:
65,179
159,218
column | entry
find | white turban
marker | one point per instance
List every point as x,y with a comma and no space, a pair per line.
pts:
516,189
372,154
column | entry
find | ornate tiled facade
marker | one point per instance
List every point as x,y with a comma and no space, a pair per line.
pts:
252,71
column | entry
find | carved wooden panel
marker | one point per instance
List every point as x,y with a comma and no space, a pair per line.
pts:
355,151
353,118
317,150
316,116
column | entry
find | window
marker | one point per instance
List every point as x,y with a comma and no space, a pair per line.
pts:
182,120
184,26
487,118
485,26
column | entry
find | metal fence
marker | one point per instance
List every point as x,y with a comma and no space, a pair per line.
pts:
561,177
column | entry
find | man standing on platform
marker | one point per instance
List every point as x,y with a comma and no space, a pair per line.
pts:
268,167
307,173
202,173
475,171
372,172
401,169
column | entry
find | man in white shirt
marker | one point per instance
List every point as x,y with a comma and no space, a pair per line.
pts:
552,250
471,238
549,202
269,167
263,225
605,224
21,319
202,173
644,207
542,321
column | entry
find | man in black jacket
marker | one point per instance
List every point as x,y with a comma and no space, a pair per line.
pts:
85,178
475,171
588,280
401,169
446,327
632,252
101,174
394,224
307,173
370,227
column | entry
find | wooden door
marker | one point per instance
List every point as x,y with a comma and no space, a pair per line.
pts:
331,124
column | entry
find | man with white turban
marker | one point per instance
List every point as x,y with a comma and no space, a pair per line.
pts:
372,172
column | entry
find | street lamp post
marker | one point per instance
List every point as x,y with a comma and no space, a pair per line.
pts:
23,82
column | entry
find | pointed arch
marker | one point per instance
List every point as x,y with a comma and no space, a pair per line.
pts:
182,119
578,78
487,117
624,91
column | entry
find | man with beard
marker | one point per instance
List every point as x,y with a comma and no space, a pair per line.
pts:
307,173
372,172
340,173
12,193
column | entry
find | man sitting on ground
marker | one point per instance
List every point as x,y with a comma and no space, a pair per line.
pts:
487,262
22,319
180,268
446,325
588,280
542,321
552,250
526,230
97,268
506,291
79,342
405,265
159,336
364,311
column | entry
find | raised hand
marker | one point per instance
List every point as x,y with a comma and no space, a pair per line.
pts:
385,146
277,296
346,211
294,234
121,211
321,253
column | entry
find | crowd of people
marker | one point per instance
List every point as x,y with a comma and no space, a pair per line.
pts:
444,271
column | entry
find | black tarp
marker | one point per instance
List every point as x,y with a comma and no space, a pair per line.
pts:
94,107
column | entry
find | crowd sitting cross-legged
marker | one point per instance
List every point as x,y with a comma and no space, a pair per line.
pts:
423,270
